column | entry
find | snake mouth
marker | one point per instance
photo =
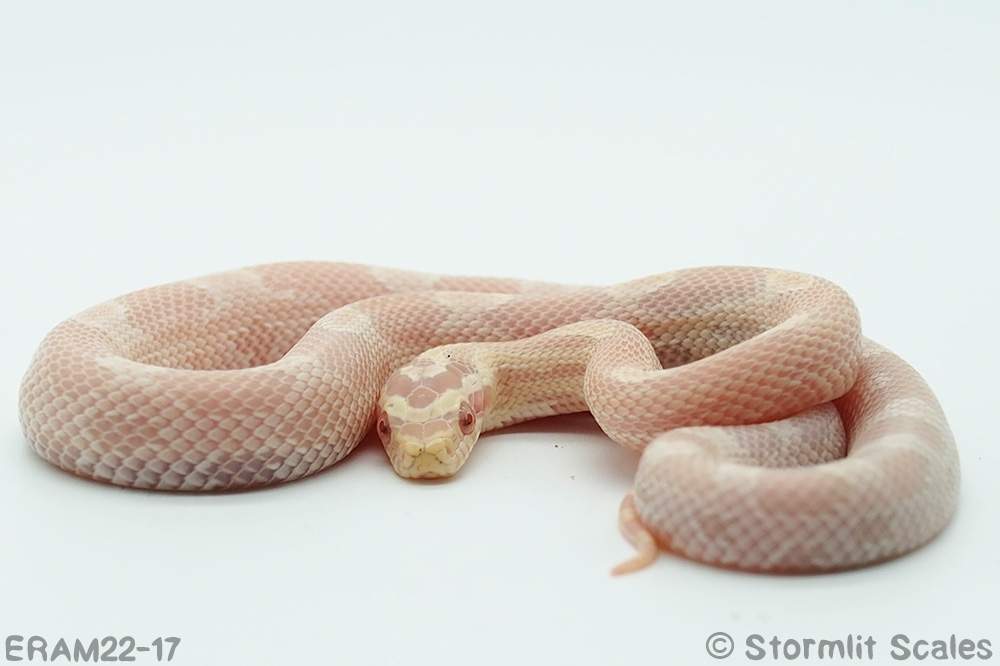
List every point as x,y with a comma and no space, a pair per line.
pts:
435,461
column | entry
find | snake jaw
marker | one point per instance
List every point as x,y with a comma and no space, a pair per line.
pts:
436,459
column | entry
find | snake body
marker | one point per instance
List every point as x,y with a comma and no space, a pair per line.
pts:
775,437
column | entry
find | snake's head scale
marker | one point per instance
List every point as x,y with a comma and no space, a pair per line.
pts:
430,414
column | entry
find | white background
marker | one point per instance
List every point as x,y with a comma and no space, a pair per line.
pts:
575,142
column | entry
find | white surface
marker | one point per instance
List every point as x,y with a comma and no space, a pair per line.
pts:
141,144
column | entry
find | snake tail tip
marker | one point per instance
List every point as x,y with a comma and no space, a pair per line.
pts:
638,535
641,560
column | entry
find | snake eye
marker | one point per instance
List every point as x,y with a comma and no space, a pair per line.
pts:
383,427
466,419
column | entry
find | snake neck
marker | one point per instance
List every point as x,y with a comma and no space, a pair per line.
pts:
534,377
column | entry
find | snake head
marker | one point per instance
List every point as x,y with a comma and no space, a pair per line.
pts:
430,414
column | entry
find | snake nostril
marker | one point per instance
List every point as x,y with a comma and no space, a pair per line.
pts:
437,447
412,448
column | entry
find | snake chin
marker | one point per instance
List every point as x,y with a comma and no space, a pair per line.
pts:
434,460
425,466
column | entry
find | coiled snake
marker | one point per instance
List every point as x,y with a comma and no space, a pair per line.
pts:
775,437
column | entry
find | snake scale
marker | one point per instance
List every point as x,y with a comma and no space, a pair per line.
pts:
774,436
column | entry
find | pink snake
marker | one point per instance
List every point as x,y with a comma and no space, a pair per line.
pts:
774,436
